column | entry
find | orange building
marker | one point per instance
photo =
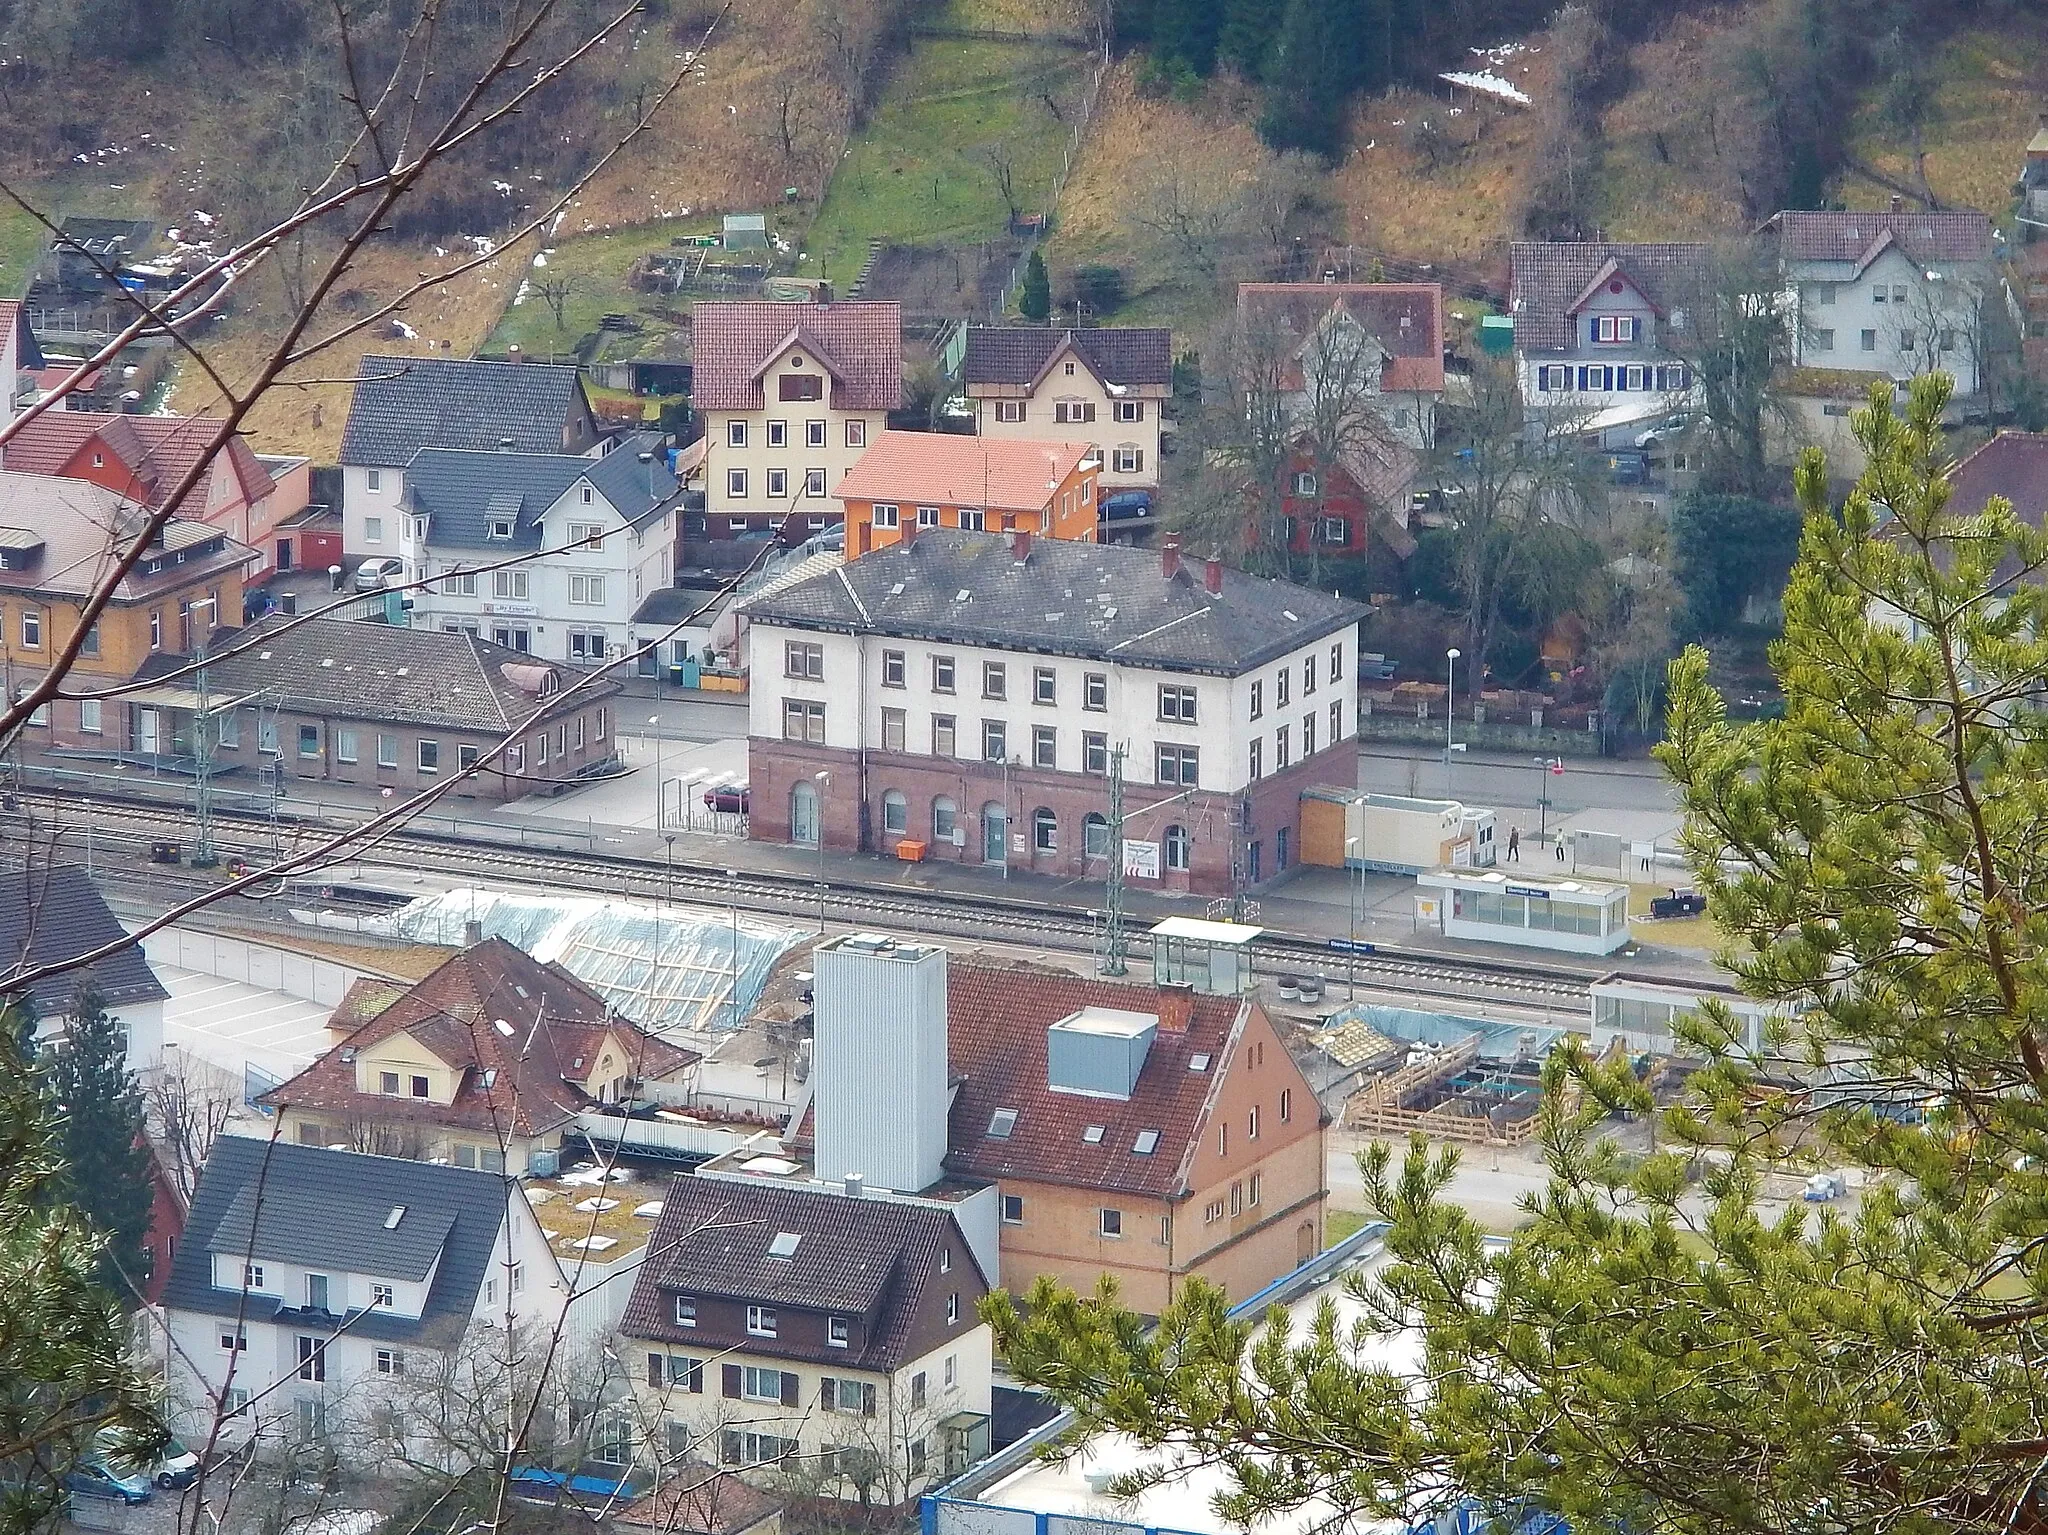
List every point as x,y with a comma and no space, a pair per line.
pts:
919,480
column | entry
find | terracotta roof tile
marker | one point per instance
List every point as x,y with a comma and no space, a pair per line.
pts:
1549,277
519,1079
699,1500
996,1028
157,450
1297,309
940,469
731,343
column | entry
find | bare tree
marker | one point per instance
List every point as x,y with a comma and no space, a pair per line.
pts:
1192,206
555,290
1002,170
188,1103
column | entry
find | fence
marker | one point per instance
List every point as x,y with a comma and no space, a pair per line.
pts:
1090,100
656,1137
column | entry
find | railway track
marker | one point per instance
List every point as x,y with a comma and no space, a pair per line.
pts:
107,825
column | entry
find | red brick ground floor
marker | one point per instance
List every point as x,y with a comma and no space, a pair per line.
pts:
1037,822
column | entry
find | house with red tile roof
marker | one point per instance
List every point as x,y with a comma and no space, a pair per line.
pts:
1108,387
792,395
909,481
1148,1133
486,1061
144,459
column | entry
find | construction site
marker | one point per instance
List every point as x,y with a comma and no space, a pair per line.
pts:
1460,1079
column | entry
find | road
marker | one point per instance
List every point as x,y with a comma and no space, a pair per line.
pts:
1504,781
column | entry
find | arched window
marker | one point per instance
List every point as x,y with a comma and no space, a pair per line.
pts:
895,813
1095,835
803,813
1045,830
1178,848
944,814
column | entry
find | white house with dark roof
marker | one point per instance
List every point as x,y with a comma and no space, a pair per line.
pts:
959,695
592,536
404,404
1889,295
1602,331
314,1286
815,1333
1108,387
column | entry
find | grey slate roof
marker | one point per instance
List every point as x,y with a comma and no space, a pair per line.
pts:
50,913
1547,276
404,404
310,1198
861,1257
1014,354
379,673
1103,602
1962,235
461,489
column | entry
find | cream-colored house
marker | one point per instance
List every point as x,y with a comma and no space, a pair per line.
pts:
481,1064
791,395
1108,387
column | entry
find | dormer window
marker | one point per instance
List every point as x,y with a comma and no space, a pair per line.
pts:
686,1311
1614,327
501,527
422,1088
801,386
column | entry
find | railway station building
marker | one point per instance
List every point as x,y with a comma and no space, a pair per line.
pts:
1008,700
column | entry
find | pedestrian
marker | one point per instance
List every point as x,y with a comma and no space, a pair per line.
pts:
1514,844
1560,847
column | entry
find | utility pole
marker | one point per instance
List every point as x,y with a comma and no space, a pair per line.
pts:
203,732
1115,944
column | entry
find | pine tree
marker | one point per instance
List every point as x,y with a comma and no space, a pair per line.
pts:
100,1139
1249,27
1649,1350
1034,298
64,1368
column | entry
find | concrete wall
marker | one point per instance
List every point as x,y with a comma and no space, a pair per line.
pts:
253,964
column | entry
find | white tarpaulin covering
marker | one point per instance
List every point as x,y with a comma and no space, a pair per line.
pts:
666,968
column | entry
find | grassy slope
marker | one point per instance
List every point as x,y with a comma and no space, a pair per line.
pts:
916,171
598,264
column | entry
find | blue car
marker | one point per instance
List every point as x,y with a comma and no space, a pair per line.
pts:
1126,505
96,1478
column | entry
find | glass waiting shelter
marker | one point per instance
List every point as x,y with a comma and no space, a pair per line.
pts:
1212,957
1569,916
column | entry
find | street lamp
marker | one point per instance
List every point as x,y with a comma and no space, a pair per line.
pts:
1548,765
203,855
660,788
1354,853
824,783
1450,707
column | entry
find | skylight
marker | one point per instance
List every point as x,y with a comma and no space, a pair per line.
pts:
784,1245
397,1214
1146,1143
1092,1135
502,1027
1198,1062
1001,1123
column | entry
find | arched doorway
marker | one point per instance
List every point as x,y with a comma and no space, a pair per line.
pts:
803,814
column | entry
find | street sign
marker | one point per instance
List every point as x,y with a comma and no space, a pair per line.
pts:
1141,860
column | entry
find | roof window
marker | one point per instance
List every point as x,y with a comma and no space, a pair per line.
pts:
1198,1062
784,1245
397,1214
1092,1135
1001,1123
1146,1143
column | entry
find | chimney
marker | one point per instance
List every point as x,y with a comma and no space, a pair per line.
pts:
879,1062
1898,203
1176,1009
472,933
1169,557
852,1184
515,354
1212,577
1020,545
906,529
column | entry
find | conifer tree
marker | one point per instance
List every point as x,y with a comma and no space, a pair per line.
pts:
1034,298
1650,1351
100,1138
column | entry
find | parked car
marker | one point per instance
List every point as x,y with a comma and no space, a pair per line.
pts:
95,1478
728,798
1127,506
174,1465
372,574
